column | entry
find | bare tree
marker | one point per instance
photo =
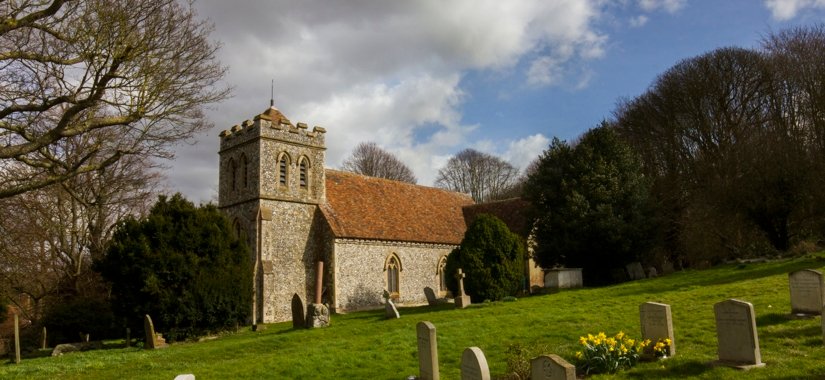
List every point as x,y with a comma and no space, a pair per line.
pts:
369,159
485,177
50,236
142,70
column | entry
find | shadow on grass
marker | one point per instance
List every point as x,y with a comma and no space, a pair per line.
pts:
772,319
678,371
738,272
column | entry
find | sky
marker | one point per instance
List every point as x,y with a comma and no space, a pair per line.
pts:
425,79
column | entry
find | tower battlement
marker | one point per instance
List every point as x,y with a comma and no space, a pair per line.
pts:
272,124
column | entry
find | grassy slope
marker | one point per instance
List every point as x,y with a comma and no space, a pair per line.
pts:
364,345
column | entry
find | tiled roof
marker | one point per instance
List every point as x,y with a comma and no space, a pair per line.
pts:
513,212
362,207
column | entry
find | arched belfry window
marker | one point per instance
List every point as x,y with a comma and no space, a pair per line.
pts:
244,172
392,267
233,175
303,167
238,228
283,169
442,275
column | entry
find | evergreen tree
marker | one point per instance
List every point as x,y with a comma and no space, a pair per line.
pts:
182,265
491,256
590,205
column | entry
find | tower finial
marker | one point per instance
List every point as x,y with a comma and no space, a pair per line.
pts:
272,94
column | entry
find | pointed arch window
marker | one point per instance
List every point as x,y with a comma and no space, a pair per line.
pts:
283,167
233,175
244,172
393,269
303,174
442,276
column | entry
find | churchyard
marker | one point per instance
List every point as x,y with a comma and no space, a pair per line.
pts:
368,345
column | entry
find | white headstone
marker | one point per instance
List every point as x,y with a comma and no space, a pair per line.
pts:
657,323
738,343
474,365
551,367
187,376
807,296
427,351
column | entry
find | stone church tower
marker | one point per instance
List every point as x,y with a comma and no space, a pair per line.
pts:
271,184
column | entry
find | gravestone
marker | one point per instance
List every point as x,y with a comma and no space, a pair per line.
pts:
43,340
153,340
807,296
635,271
462,300
432,300
738,343
427,351
128,337
391,311
16,339
551,367
186,376
317,315
474,365
657,323
652,272
667,267
297,312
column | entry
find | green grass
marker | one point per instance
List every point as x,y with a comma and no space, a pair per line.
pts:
366,346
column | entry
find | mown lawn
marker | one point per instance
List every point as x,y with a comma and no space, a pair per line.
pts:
366,346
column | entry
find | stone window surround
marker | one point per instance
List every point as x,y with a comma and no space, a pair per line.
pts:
392,264
304,165
442,277
286,160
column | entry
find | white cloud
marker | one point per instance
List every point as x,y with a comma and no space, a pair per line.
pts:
388,72
669,6
638,21
784,10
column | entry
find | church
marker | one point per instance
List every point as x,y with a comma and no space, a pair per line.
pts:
371,234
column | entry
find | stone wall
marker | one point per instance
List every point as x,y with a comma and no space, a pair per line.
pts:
360,278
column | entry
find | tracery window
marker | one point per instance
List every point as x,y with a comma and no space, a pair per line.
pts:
393,269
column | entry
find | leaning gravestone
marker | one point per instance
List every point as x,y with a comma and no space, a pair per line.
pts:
807,296
390,311
635,271
153,340
432,300
427,351
657,323
474,365
297,312
738,343
551,367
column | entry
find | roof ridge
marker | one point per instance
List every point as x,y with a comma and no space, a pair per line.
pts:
380,179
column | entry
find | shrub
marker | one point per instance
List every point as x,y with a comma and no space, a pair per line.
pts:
66,320
491,256
183,266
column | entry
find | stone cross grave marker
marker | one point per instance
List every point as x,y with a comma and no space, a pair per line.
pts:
807,296
551,367
432,300
298,321
16,339
657,323
738,343
474,365
427,351
461,300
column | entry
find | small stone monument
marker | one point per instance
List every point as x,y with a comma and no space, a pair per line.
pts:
128,337
153,340
462,300
427,351
652,272
317,315
297,312
474,365
16,339
657,323
551,367
635,271
432,300
43,341
807,296
738,343
390,311
187,376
